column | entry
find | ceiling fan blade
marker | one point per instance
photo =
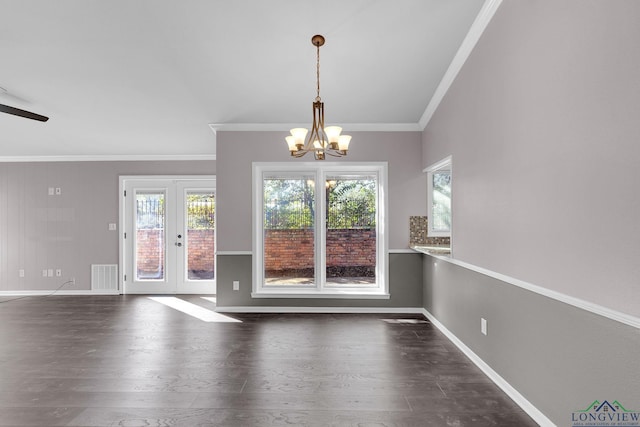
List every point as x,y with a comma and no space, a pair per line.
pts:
22,113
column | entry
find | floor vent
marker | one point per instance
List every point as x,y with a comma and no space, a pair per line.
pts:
104,278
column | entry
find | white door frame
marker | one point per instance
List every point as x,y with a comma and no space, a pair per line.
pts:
123,217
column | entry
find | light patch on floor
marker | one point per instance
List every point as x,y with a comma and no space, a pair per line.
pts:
211,299
194,310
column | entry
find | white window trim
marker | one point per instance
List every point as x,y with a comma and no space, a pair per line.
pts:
320,170
447,161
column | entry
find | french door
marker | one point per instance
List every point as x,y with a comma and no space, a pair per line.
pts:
168,244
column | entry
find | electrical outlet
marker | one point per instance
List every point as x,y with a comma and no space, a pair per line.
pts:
112,226
58,191
73,281
50,272
44,272
58,273
236,285
51,191
21,273
483,326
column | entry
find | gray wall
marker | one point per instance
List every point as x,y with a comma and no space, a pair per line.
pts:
405,286
237,150
69,231
559,357
542,123
406,191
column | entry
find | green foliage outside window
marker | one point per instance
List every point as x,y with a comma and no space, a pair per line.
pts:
442,200
201,211
289,203
351,203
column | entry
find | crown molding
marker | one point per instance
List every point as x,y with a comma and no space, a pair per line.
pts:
487,11
285,127
485,15
476,30
108,158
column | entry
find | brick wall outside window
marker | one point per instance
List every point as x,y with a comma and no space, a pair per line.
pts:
285,250
292,250
151,251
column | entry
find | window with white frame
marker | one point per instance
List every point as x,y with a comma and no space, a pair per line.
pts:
320,230
439,198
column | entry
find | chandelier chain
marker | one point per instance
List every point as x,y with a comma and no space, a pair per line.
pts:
318,73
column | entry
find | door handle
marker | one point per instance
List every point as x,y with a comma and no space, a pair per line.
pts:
178,244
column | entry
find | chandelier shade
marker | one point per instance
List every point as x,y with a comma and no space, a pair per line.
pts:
321,140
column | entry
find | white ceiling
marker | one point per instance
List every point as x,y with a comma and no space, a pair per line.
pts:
148,77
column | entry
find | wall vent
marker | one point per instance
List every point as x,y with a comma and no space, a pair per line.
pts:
104,278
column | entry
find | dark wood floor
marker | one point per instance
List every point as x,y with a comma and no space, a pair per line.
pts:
131,361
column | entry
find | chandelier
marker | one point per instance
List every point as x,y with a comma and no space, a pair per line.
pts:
322,141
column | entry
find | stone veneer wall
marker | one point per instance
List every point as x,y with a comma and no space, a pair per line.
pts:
418,228
418,233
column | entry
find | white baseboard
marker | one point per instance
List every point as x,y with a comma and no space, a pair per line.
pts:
355,310
52,292
518,398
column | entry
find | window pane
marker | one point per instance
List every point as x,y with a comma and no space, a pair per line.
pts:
150,236
441,209
289,238
351,230
200,235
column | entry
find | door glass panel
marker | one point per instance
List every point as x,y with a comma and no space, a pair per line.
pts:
289,241
200,207
150,235
351,230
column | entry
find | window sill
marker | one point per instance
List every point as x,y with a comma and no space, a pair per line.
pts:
325,295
